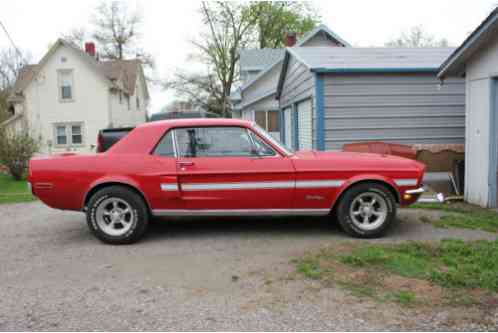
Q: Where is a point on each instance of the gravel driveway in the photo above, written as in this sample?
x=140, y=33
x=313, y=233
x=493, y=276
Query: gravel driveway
x=216, y=274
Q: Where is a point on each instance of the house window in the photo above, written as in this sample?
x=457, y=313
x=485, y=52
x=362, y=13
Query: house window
x=69, y=134
x=268, y=120
x=76, y=136
x=138, y=103
x=66, y=85
x=61, y=135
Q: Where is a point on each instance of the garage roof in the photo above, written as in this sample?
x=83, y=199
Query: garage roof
x=376, y=59
x=455, y=64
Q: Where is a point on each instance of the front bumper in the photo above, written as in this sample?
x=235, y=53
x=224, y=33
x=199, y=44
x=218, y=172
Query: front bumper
x=413, y=195
x=410, y=196
x=418, y=191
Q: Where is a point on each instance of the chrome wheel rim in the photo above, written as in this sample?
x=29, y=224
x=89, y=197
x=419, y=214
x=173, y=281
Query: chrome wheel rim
x=114, y=216
x=368, y=211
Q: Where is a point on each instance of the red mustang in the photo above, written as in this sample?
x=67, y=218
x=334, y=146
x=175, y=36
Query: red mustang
x=221, y=167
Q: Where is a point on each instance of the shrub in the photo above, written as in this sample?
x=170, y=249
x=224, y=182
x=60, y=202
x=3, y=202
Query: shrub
x=16, y=148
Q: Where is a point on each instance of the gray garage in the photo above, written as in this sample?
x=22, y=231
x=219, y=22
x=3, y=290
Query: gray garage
x=369, y=94
x=477, y=60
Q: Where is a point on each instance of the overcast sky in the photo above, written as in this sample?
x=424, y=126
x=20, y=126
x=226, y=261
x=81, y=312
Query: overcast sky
x=170, y=25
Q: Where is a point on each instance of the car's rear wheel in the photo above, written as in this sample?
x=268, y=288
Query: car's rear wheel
x=117, y=215
x=366, y=210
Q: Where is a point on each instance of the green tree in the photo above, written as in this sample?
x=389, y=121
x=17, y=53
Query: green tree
x=417, y=37
x=230, y=27
x=274, y=18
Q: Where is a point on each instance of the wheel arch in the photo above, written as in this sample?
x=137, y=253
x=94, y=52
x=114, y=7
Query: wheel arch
x=94, y=188
x=376, y=180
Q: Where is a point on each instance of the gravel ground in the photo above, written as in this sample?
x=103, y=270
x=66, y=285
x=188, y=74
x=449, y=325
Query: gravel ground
x=216, y=274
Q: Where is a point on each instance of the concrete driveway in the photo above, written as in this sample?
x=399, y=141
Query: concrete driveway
x=216, y=274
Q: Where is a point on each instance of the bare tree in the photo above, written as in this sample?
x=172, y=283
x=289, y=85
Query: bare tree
x=417, y=37
x=11, y=63
x=202, y=90
x=117, y=32
x=76, y=36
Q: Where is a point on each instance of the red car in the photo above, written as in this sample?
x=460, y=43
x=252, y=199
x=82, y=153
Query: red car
x=222, y=167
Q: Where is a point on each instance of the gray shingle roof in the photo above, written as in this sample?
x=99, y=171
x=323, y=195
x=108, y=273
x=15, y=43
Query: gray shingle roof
x=363, y=59
x=322, y=27
x=258, y=59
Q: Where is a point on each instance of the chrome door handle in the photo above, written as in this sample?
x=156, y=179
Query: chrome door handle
x=185, y=163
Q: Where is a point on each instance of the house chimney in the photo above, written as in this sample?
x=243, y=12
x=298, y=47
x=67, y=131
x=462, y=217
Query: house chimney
x=90, y=49
x=290, y=39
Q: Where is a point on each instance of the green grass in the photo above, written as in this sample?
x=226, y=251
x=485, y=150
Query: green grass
x=462, y=216
x=455, y=271
x=450, y=264
x=12, y=191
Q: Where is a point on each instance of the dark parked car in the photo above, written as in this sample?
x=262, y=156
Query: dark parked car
x=108, y=137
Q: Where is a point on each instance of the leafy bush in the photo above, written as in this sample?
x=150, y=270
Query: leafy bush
x=16, y=148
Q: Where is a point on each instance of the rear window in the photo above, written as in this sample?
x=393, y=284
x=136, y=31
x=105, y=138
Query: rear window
x=165, y=147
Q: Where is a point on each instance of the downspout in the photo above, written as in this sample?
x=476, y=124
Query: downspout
x=319, y=112
x=492, y=165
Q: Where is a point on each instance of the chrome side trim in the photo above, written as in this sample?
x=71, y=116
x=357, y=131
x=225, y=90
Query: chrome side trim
x=319, y=183
x=239, y=212
x=406, y=182
x=169, y=187
x=263, y=185
x=237, y=186
x=419, y=190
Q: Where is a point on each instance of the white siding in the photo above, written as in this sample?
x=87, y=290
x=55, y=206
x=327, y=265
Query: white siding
x=304, y=116
x=89, y=106
x=121, y=115
x=477, y=160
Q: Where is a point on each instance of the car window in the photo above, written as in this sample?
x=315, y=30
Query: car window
x=261, y=148
x=165, y=147
x=213, y=141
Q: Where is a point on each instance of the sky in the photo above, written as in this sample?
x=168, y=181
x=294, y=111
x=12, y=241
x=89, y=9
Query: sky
x=169, y=26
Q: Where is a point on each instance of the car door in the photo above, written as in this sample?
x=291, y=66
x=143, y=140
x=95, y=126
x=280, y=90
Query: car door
x=230, y=169
x=163, y=190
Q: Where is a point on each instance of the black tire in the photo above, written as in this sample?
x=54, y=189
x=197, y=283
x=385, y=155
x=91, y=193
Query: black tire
x=138, y=216
x=344, y=211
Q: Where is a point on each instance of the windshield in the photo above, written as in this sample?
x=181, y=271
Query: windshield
x=272, y=139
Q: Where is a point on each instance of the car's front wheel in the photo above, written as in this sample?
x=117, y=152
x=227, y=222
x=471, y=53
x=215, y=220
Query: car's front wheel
x=366, y=210
x=117, y=215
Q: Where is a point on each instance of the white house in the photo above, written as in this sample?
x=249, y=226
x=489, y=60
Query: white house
x=69, y=96
x=477, y=60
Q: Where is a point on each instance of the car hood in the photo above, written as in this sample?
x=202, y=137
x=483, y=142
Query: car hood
x=355, y=160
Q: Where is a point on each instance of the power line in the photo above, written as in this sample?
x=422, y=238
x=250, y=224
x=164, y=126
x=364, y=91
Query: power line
x=13, y=44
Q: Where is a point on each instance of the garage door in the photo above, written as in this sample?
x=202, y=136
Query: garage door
x=288, y=127
x=396, y=108
x=304, y=118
